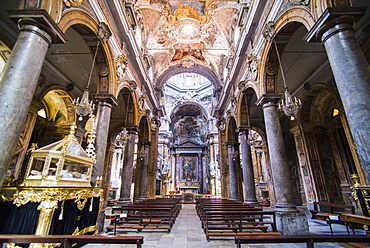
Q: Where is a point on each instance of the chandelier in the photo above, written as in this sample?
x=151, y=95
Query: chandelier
x=86, y=107
x=289, y=105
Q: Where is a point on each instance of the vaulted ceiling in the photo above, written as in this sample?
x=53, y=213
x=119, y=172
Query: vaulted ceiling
x=186, y=33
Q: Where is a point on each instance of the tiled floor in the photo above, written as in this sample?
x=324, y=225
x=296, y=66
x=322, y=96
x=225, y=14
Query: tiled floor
x=187, y=233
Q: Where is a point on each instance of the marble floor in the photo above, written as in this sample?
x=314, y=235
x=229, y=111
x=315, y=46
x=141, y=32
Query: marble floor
x=187, y=233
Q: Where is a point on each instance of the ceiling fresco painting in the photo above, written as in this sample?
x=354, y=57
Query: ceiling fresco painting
x=187, y=33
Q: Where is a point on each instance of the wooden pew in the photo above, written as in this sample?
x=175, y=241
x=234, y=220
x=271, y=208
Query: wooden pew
x=226, y=224
x=327, y=207
x=69, y=240
x=309, y=239
x=150, y=215
x=353, y=218
x=138, y=219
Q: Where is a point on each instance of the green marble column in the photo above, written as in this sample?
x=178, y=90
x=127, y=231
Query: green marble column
x=351, y=72
x=18, y=83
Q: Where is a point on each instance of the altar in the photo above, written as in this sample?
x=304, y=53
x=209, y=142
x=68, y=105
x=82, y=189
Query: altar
x=188, y=189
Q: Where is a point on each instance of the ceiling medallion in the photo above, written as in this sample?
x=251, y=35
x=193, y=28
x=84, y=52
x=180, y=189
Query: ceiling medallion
x=188, y=30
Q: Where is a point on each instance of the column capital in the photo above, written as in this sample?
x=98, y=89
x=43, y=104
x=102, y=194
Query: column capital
x=41, y=19
x=132, y=129
x=331, y=17
x=230, y=143
x=269, y=98
x=147, y=143
x=108, y=98
x=243, y=129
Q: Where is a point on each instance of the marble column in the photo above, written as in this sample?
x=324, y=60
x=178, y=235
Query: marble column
x=278, y=159
x=200, y=174
x=247, y=167
x=18, y=83
x=233, y=179
x=351, y=72
x=127, y=169
x=153, y=157
x=177, y=168
x=103, y=114
x=144, y=173
x=289, y=220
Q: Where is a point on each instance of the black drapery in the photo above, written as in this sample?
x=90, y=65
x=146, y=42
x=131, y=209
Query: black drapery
x=18, y=220
x=72, y=217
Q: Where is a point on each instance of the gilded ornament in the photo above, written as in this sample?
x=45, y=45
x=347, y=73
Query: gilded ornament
x=188, y=63
x=72, y=3
x=121, y=65
x=3, y=198
x=12, y=245
x=86, y=230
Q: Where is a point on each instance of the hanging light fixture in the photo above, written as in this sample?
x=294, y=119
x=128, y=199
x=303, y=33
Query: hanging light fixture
x=289, y=105
x=86, y=107
x=250, y=137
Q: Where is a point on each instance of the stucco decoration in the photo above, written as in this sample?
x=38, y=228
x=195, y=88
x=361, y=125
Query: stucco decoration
x=72, y=3
x=269, y=31
x=121, y=66
x=252, y=67
x=300, y=2
x=187, y=33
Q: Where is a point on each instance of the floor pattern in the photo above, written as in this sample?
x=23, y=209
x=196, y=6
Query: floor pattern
x=187, y=233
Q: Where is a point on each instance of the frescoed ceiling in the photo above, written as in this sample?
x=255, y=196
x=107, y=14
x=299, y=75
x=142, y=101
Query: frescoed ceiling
x=187, y=33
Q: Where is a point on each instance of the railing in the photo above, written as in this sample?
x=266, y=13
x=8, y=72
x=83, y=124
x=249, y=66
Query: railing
x=69, y=240
x=308, y=239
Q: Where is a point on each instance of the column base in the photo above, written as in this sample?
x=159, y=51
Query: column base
x=124, y=202
x=141, y=199
x=101, y=221
x=292, y=223
x=252, y=202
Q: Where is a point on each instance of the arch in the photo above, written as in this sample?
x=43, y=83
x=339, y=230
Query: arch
x=292, y=19
x=231, y=127
x=75, y=17
x=295, y=14
x=124, y=97
x=201, y=70
x=308, y=97
x=244, y=104
x=61, y=99
x=202, y=112
x=144, y=129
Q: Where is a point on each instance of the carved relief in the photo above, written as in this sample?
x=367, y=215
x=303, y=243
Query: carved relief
x=72, y=3
x=221, y=125
x=155, y=123
x=252, y=67
x=269, y=31
x=121, y=66
x=300, y=2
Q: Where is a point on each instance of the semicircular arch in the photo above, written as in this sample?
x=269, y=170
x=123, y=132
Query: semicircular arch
x=198, y=69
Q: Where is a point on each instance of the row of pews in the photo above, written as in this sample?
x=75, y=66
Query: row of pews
x=151, y=215
x=225, y=219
